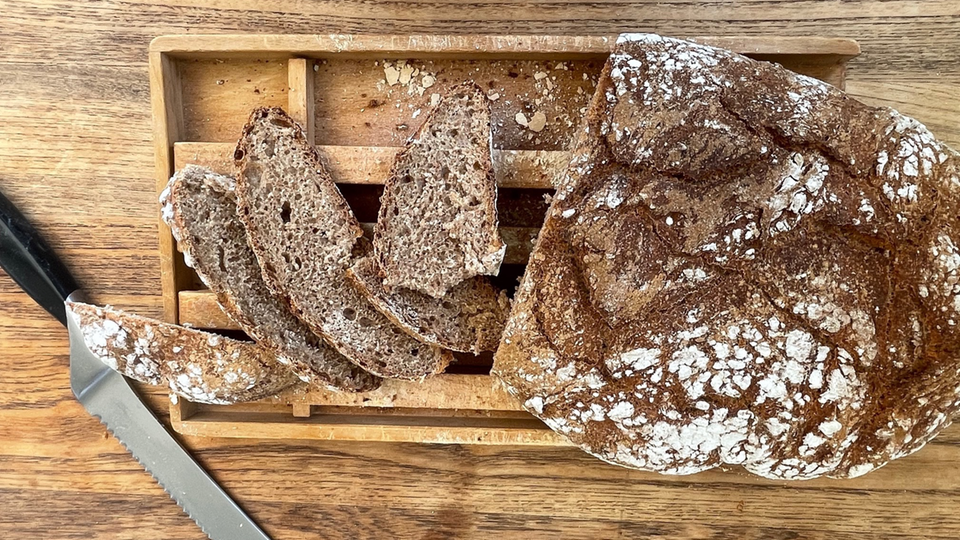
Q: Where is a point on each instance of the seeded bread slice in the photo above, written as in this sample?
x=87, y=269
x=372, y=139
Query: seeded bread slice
x=200, y=366
x=438, y=216
x=305, y=238
x=200, y=206
x=469, y=318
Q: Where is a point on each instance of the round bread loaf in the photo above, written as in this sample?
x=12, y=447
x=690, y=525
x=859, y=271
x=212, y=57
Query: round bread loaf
x=741, y=266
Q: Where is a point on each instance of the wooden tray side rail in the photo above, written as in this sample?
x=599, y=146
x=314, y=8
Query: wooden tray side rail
x=190, y=126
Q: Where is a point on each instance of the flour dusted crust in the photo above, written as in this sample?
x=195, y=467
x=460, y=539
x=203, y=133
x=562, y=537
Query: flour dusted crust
x=200, y=366
x=742, y=266
x=200, y=207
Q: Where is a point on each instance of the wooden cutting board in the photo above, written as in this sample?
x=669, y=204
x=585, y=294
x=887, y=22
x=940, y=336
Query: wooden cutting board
x=359, y=98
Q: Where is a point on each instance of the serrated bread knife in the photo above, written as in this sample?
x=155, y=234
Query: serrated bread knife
x=107, y=395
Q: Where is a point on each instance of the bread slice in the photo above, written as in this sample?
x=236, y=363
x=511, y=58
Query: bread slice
x=741, y=266
x=305, y=238
x=199, y=366
x=469, y=318
x=437, y=224
x=200, y=206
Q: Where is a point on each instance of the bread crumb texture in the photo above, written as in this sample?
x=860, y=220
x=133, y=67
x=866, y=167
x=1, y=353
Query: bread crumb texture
x=305, y=237
x=741, y=266
x=200, y=366
x=437, y=223
x=200, y=207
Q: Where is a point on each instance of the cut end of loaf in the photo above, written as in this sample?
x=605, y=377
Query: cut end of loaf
x=199, y=366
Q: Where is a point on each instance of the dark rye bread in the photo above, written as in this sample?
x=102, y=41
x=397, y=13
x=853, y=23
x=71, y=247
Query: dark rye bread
x=200, y=366
x=305, y=238
x=742, y=266
x=200, y=206
x=437, y=224
x=469, y=318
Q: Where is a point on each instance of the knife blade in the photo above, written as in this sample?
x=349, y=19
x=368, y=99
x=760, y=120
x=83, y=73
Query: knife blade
x=108, y=396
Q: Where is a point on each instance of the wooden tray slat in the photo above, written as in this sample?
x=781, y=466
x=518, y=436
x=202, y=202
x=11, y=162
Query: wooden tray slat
x=445, y=391
x=300, y=96
x=373, y=428
x=534, y=169
x=203, y=88
x=471, y=46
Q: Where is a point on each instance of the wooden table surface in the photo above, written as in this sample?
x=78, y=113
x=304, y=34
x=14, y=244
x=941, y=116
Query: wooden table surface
x=76, y=155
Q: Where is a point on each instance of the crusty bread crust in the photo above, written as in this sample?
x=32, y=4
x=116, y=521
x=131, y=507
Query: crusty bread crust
x=199, y=366
x=200, y=207
x=741, y=266
x=305, y=238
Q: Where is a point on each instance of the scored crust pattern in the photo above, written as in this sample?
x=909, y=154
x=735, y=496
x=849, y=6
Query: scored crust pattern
x=741, y=266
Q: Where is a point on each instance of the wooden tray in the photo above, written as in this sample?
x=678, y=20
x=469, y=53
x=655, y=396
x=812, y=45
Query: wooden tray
x=204, y=87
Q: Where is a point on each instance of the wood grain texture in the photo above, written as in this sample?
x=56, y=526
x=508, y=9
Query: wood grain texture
x=370, y=165
x=76, y=154
x=401, y=46
x=300, y=103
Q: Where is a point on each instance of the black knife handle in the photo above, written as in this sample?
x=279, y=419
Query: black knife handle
x=31, y=263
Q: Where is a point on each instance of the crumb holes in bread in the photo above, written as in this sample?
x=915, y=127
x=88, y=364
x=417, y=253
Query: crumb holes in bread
x=268, y=269
x=269, y=147
x=280, y=122
x=350, y=314
x=285, y=212
x=365, y=322
x=220, y=259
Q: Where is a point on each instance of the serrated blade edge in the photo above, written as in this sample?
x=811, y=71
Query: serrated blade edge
x=108, y=396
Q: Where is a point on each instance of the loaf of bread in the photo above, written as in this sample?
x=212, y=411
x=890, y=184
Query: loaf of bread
x=305, y=237
x=742, y=266
x=200, y=206
x=200, y=366
x=437, y=224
